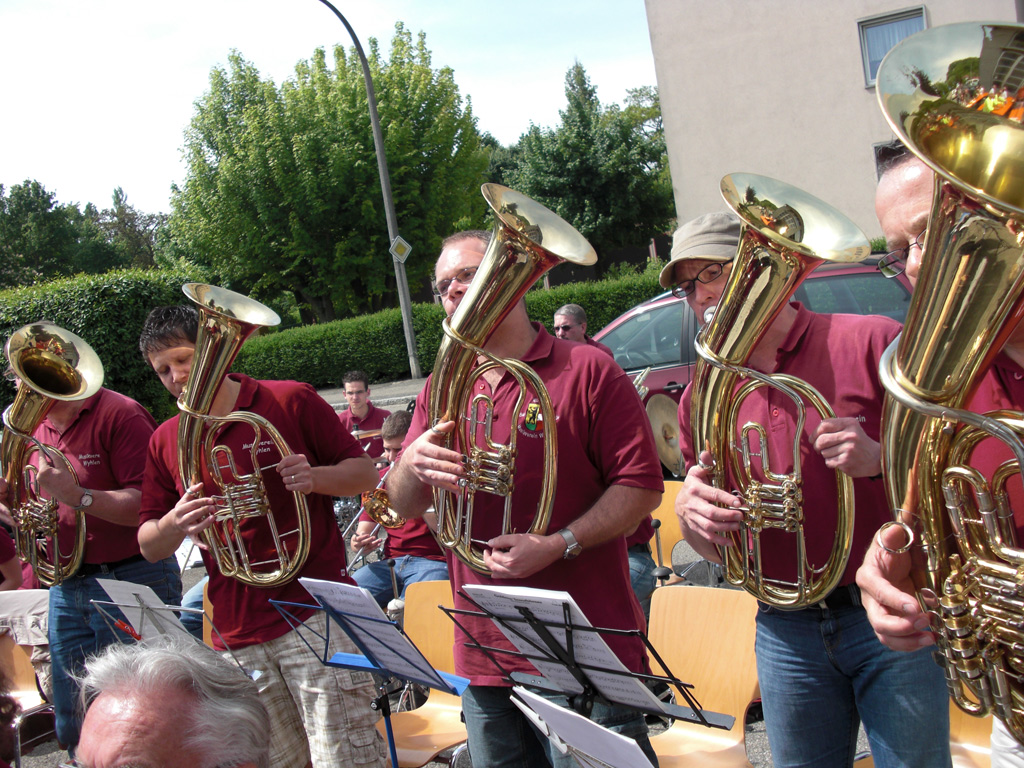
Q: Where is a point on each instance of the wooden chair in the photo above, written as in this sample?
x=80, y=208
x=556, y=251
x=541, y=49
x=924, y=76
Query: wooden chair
x=423, y=733
x=669, y=532
x=16, y=664
x=706, y=637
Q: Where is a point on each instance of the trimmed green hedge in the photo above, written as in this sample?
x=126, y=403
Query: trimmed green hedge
x=108, y=312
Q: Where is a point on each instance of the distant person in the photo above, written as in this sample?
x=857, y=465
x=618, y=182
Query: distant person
x=170, y=703
x=415, y=551
x=362, y=415
x=571, y=324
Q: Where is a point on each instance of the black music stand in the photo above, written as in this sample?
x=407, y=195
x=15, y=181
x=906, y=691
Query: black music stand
x=385, y=649
x=549, y=630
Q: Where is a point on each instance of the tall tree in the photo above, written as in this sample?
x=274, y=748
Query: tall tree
x=282, y=191
x=602, y=169
x=36, y=235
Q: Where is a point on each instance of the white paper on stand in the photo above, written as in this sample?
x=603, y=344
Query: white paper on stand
x=143, y=609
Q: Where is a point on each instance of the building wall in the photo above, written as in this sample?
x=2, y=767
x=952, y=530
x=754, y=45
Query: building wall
x=777, y=88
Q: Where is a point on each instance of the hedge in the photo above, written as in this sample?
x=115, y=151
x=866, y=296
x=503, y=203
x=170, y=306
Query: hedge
x=108, y=312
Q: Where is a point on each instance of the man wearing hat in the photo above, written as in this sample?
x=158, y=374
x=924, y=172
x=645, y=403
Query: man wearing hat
x=821, y=669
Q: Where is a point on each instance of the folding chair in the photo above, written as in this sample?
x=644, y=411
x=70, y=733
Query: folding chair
x=970, y=739
x=423, y=733
x=706, y=637
x=16, y=664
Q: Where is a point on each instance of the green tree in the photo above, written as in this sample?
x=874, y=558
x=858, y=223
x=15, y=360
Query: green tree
x=282, y=191
x=602, y=169
x=36, y=235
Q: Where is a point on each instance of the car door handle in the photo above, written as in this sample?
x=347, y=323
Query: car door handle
x=673, y=387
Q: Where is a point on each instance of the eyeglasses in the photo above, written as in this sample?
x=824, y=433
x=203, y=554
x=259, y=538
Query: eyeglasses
x=465, y=277
x=895, y=262
x=709, y=274
x=564, y=328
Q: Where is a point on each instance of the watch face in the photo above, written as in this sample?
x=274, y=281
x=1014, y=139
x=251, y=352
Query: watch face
x=86, y=500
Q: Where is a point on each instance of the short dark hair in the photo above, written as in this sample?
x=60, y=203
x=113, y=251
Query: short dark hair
x=351, y=377
x=167, y=326
x=395, y=425
x=891, y=155
x=470, y=234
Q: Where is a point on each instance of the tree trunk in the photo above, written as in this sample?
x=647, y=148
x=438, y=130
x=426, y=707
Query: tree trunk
x=321, y=306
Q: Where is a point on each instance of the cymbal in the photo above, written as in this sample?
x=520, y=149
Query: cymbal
x=662, y=411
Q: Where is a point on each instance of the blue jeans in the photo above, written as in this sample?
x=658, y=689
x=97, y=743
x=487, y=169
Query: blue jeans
x=376, y=577
x=641, y=575
x=193, y=622
x=822, y=671
x=500, y=736
x=77, y=629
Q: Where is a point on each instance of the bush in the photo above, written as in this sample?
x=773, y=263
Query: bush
x=107, y=311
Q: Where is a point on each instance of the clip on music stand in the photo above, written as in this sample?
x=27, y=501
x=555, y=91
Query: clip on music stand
x=549, y=630
x=582, y=739
x=385, y=649
x=146, y=615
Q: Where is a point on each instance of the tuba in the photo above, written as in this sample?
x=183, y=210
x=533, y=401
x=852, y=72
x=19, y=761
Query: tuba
x=785, y=233
x=963, y=120
x=226, y=320
x=528, y=240
x=51, y=364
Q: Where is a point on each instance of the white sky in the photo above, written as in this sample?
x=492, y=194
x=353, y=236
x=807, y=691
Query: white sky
x=97, y=93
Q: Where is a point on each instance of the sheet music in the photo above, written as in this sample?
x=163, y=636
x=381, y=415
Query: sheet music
x=373, y=631
x=590, y=648
x=583, y=736
x=143, y=609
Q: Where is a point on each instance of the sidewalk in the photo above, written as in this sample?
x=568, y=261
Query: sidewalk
x=392, y=396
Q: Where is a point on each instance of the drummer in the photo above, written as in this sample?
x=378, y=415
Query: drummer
x=363, y=419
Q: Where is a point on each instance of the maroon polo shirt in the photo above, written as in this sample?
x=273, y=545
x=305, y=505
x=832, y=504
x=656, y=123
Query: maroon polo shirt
x=106, y=446
x=374, y=419
x=242, y=614
x=7, y=550
x=604, y=439
x=837, y=355
x=1002, y=388
x=589, y=341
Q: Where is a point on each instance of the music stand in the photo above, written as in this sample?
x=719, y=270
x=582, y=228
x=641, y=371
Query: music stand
x=549, y=630
x=385, y=649
x=147, y=616
x=573, y=734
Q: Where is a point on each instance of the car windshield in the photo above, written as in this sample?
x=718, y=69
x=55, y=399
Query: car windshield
x=649, y=338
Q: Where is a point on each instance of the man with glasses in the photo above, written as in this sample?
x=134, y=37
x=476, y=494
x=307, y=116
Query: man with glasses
x=571, y=324
x=902, y=203
x=362, y=415
x=609, y=479
x=821, y=669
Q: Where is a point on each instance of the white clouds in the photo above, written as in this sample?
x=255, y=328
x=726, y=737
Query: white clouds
x=98, y=94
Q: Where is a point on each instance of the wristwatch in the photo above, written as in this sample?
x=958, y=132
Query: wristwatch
x=572, y=547
x=86, y=501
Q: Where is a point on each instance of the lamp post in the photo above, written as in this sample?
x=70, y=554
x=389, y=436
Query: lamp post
x=399, y=248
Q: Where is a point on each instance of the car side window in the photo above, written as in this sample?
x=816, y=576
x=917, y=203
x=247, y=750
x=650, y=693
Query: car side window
x=649, y=338
x=859, y=294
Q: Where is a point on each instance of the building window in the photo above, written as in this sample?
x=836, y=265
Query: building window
x=880, y=33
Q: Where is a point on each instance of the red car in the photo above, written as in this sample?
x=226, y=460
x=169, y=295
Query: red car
x=659, y=333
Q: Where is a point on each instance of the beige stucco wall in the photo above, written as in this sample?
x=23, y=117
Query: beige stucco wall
x=777, y=88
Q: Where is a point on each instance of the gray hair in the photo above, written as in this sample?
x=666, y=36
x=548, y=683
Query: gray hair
x=574, y=312
x=228, y=724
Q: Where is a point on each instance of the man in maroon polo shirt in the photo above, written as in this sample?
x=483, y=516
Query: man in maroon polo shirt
x=570, y=323
x=902, y=203
x=609, y=480
x=104, y=438
x=820, y=669
x=362, y=415
x=318, y=713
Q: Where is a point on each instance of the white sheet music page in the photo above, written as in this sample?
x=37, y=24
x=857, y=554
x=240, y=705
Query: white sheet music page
x=147, y=614
x=589, y=647
x=374, y=631
x=582, y=735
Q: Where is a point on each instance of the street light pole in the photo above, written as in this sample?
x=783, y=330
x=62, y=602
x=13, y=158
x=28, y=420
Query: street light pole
x=389, y=206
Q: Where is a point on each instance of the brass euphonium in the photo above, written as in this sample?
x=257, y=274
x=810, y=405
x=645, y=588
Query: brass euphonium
x=785, y=233
x=51, y=364
x=375, y=503
x=942, y=92
x=528, y=240
x=226, y=320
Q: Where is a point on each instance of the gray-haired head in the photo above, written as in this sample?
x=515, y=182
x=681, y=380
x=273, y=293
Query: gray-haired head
x=574, y=312
x=228, y=725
